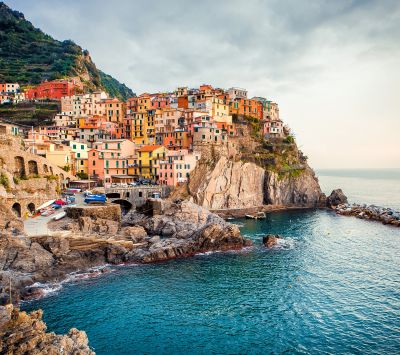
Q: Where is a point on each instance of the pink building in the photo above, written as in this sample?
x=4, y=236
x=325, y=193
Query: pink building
x=176, y=168
x=109, y=159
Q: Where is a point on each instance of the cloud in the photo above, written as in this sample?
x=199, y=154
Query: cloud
x=310, y=56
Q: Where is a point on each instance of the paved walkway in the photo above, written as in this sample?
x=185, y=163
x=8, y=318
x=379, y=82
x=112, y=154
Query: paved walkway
x=38, y=225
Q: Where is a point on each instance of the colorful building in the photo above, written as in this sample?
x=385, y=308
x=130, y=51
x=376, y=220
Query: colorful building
x=148, y=158
x=55, y=89
x=176, y=168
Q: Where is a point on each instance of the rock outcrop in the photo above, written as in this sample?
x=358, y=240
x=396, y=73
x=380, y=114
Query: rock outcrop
x=337, y=197
x=86, y=241
x=369, y=212
x=302, y=190
x=228, y=182
x=23, y=333
x=271, y=239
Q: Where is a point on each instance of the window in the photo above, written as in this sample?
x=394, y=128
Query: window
x=74, y=146
x=94, y=154
x=78, y=155
x=94, y=163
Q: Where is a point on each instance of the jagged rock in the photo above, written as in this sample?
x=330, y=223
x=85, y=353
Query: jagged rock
x=271, y=239
x=23, y=333
x=230, y=183
x=337, y=197
x=302, y=191
x=101, y=226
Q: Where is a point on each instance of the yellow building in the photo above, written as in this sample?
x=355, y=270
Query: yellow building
x=218, y=110
x=79, y=157
x=62, y=157
x=148, y=158
x=139, y=128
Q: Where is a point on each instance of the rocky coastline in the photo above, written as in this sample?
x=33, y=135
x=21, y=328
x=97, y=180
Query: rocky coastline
x=384, y=215
x=25, y=333
x=95, y=236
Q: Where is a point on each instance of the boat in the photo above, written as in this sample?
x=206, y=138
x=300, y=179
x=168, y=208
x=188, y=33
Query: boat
x=60, y=215
x=46, y=204
x=47, y=212
x=258, y=215
x=95, y=199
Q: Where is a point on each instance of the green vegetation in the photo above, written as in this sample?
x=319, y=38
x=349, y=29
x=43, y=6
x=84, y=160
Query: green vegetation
x=114, y=87
x=29, y=56
x=29, y=113
x=289, y=139
x=82, y=176
x=16, y=180
x=4, y=181
x=51, y=177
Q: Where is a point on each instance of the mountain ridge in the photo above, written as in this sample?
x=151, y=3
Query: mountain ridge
x=29, y=56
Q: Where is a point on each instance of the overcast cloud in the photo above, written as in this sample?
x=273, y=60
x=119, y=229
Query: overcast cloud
x=333, y=66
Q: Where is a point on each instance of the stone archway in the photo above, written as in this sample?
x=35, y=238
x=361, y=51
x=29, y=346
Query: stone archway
x=16, y=208
x=113, y=195
x=31, y=207
x=19, y=170
x=45, y=168
x=32, y=167
x=125, y=205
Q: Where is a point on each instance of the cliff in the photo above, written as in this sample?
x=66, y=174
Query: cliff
x=250, y=172
x=23, y=333
x=29, y=56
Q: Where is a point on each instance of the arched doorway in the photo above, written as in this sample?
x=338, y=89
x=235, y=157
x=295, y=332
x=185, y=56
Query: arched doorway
x=31, y=208
x=32, y=167
x=125, y=206
x=16, y=208
x=19, y=170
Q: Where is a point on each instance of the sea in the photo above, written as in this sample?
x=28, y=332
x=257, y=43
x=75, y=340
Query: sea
x=331, y=286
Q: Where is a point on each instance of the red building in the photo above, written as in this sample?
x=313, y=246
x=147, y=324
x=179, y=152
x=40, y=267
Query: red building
x=55, y=89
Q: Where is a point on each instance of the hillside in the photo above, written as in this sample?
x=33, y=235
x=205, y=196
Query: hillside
x=29, y=56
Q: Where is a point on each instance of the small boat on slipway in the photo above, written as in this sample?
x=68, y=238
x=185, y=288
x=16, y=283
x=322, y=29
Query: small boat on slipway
x=258, y=215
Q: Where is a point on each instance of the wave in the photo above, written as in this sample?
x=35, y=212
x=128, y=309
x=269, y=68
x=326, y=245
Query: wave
x=42, y=290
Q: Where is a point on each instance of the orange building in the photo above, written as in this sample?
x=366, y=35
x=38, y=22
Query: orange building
x=55, y=89
x=114, y=109
x=246, y=107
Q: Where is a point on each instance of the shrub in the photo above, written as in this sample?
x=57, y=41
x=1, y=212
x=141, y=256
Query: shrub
x=82, y=175
x=4, y=181
x=289, y=139
x=16, y=180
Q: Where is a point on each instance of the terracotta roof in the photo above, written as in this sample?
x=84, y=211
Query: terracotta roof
x=149, y=148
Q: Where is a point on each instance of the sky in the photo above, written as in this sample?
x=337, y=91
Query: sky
x=332, y=66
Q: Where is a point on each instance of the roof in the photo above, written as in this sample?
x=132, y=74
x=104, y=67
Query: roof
x=149, y=148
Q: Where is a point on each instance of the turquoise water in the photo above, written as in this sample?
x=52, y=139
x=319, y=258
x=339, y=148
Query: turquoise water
x=333, y=286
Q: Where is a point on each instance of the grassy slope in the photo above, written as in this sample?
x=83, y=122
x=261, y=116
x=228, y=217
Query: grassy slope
x=29, y=56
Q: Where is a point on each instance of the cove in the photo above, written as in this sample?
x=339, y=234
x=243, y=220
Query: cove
x=332, y=286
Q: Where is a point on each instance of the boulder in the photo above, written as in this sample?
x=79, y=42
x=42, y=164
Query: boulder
x=337, y=197
x=270, y=240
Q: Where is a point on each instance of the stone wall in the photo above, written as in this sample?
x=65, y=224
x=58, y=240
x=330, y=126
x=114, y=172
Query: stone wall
x=109, y=211
x=136, y=195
